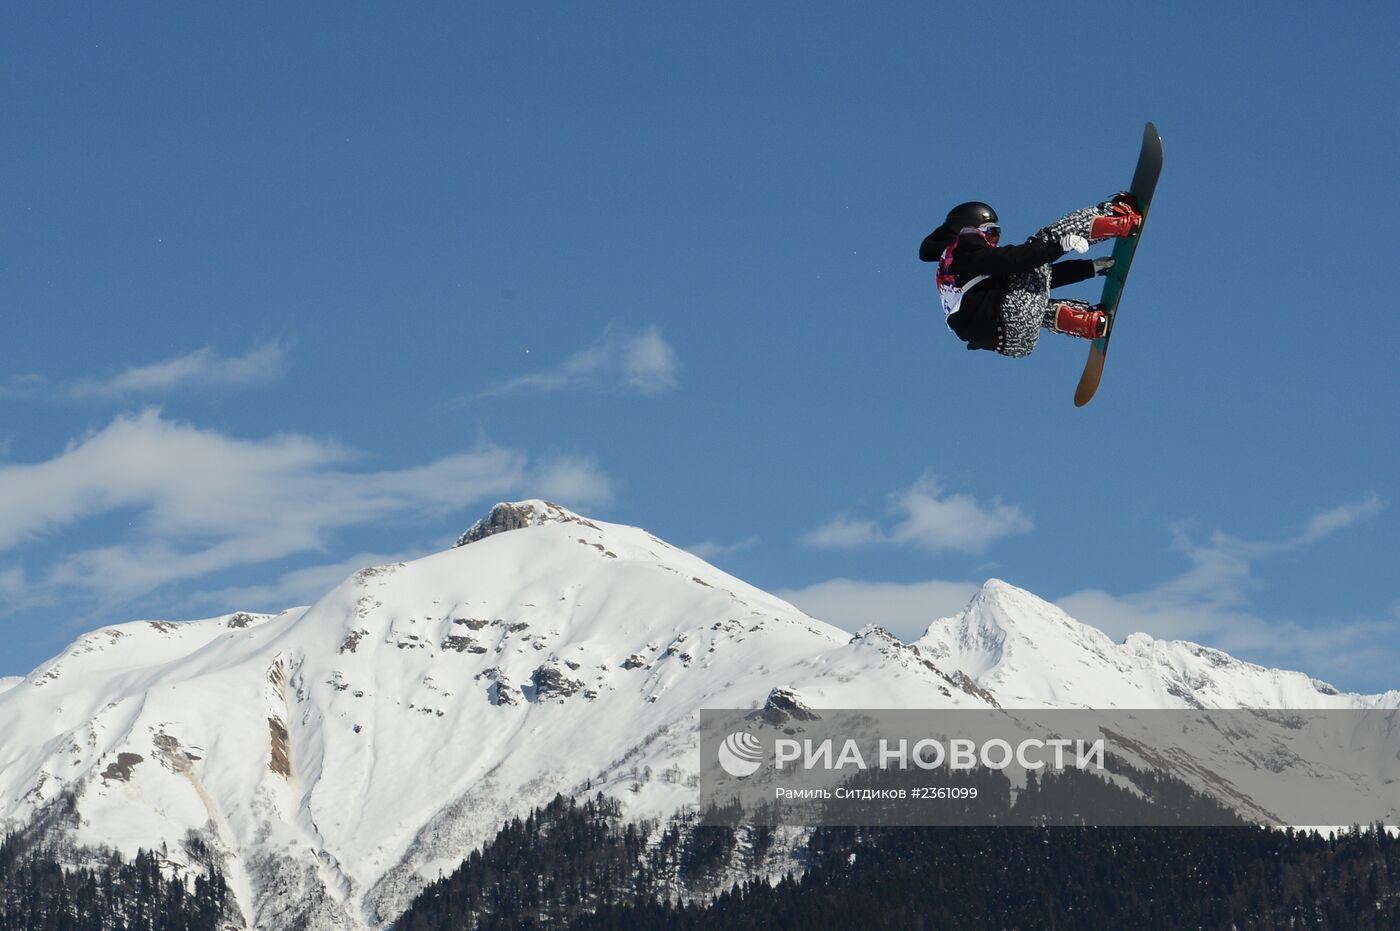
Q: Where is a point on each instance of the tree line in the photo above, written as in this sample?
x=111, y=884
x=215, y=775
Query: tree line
x=579, y=866
x=107, y=893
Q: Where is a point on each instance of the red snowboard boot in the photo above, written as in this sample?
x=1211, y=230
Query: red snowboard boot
x=1124, y=221
x=1080, y=320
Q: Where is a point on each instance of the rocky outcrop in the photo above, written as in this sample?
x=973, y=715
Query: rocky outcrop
x=499, y=690
x=462, y=644
x=551, y=683
x=121, y=769
x=280, y=756
x=517, y=515
x=784, y=705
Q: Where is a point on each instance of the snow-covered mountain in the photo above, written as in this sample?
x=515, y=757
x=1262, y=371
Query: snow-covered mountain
x=340, y=755
x=1030, y=654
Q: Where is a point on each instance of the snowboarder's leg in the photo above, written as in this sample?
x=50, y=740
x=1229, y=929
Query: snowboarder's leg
x=1076, y=318
x=1022, y=311
x=1028, y=308
x=1112, y=218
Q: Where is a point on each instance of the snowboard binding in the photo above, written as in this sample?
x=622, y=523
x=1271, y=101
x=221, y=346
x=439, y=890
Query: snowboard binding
x=1078, y=319
x=1123, y=222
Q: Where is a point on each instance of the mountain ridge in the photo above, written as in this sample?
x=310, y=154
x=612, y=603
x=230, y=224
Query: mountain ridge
x=339, y=755
x=991, y=639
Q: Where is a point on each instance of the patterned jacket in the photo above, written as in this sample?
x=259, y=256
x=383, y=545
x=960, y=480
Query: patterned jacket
x=974, y=276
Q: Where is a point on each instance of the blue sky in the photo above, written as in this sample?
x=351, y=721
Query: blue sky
x=289, y=290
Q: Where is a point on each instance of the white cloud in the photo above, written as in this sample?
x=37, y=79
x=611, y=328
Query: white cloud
x=572, y=479
x=1329, y=522
x=929, y=519
x=23, y=385
x=842, y=532
x=205, y=502
x=1342, y=649
x=298, y=587
x=12, y=582
x=642, y=362
x=200, y=369
x=651, y=366
x=1209, y=603
x=904, y=609
x=710, y=551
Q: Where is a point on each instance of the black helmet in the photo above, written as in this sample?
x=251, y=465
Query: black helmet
x=972, y=213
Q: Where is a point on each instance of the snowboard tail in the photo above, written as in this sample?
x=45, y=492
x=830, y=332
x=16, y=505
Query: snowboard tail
x=1149, y=168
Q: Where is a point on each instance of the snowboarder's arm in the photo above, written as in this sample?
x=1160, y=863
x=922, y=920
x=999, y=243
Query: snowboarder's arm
x=932, y=247
x=1005, y=260
x=1075, y=270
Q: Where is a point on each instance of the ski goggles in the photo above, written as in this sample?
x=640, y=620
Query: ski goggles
x=992, y=231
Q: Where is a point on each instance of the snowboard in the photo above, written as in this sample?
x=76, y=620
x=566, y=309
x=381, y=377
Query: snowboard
x=1149, y=167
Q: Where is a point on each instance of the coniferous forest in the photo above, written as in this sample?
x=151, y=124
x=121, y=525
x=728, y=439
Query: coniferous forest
x=110, y=894
x=572, y=865
x=580, y=866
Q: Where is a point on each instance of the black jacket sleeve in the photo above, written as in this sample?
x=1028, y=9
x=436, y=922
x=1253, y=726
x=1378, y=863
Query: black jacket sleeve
x=1005, y=260
x=1071, y=272
x=931, y=249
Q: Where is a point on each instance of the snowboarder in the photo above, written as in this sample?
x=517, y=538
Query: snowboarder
x=998, y=298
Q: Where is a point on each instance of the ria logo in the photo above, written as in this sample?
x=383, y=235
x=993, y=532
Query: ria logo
x=740, y=754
